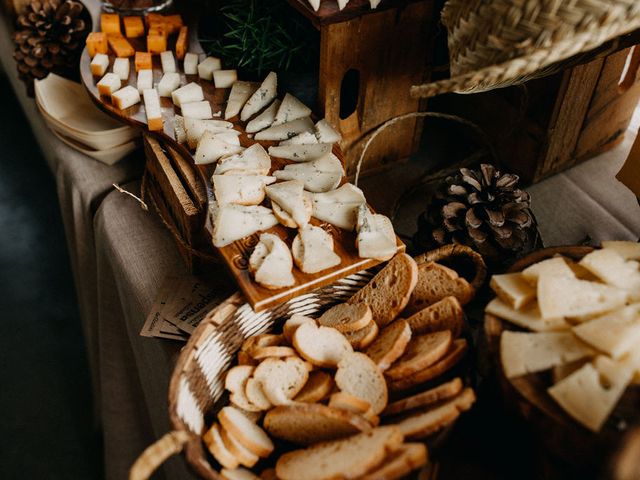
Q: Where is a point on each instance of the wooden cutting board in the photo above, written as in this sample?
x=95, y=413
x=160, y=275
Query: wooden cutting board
x=235, y=255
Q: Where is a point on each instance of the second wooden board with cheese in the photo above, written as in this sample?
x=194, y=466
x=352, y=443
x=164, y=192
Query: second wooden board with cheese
x=281, y=212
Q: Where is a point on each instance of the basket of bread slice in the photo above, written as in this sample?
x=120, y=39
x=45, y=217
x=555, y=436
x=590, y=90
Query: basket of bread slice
x=564, y=328
x=353, y=387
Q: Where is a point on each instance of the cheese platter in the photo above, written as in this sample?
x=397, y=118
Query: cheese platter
x=278, y=196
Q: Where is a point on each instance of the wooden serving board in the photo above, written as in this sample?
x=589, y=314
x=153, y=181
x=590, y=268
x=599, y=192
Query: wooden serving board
x=237, y=254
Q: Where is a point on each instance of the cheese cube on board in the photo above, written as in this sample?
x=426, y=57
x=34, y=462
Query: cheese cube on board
x=191, y=64
x=191, y=92
x=208, y=66
x=120, y=45
x=168, y=83
x=97, y=43
x=182, y=42
x=224, y=78
x=99, y=64
x=143, y=61
x=110, y=23
x=197, y=110
x=133, y=27
x=145, y=80
x=109, y=84
x=126, y=97
x=156, y=43
x=167, y=61
x=152, y=107
x=121, y=68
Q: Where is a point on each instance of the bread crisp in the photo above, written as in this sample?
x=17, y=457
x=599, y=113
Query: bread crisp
x=255, y=394
x=237, y=474
x=236, y=382
x=260, y=353
x=261, y=340
x=423, y=399
x=389, y=344
x=322, y=346
x=220, y=452
x=346, y=401
x=243, y=455
x=291, y=325
x=388, y=293
x=422, y=352
x=364, y=337
x=445, y=314
x=436, y=282
x=281, y=379
x=317, y=388
x=398, y=464
x=359, y=376
x=245, y=431
x=347, y=317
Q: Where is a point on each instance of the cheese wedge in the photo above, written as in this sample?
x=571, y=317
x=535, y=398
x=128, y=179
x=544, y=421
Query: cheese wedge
x=168, y=83
x=305, y=138
x=528, y=317
x=253, y=161
x=513, y=289
x=320, y=175
x=569, y=297
x=339, y=207
x=591, y=393
x=145, y=80
x=553, y=266
x=522, y=353
x=342, y=4
x=271, y=262
x=121, y=68
x=290, y=196
x=191, y=92
x=315, y=4
x=207, y=67
x=628, y=250
x=262, y=97
x=301, y=153
x=313, y=250
x=240, y=189
x=374, y=3
x=285, y=218
x=195, y=128
x=265, y=119
x=376, y=238
x=286, y=130
x=291, y=109
x=615, y=333
x=224, y=78
x=233, y=222
x=168, y=61
x=240, y=93
x=190, y=64
x=325, y=133
x=153, y=109
x=210, y=149
x=612, y=268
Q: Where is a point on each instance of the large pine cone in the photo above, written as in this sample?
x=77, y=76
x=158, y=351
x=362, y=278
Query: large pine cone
x=49, y=37
x=482, y=209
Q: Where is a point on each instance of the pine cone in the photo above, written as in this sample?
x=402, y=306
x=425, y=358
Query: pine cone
x=482, y=209
x=49, y=37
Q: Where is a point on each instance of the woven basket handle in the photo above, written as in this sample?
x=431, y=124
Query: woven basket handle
x=157, y=453
x=457, y=250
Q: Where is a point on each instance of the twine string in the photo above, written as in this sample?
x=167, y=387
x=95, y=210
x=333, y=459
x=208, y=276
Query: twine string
x=142, y=203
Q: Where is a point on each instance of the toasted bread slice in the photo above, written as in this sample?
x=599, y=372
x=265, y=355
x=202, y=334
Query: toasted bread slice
x=243, y=455
x=255, y=394
x=347, y=458
x=292, y=324
x=347, y=317
x=390, y=344
x=260, y=353
x=423, y=399
x=364, y=337
x=268, y=474
x=261, y=340
x=359, y=376
x=436, y=282
x=388, y=293
x=237, y=474
x=307, y=424
x=317, y=388
x=346, y=401
x=322, y=346
x=422, y=352
x=455, y=354
x=281, y=379
x=398, y=464
x=236, y=382
x=445, y=314
x=245, y=431
x=216, y=446
x=245, y=359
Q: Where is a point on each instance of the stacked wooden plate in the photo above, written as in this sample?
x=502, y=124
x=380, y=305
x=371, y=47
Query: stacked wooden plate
x=74, y=119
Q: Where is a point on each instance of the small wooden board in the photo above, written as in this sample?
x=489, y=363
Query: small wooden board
x=237, y=254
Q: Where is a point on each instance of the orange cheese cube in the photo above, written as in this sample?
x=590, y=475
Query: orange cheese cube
x=174, y=23
x=182, y=43
x=120, y=46
x=159, y=29
x=155, y=124
x=110, y=23
x=156, y=43
x=143, y=61
x=97, y=43
x=152, y=18
x=133, y=27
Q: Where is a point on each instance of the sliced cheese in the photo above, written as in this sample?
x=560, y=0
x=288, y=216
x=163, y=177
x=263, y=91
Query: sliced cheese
x=290, y=197
x=195, y=128
x=339, y=207
x=233, y=222
x=271, y=262
x=591, y=393
x=286, y=130
x=262, y=97
x=291, y=109
x=305, y=138
x=198, y=110
x=240, y=189
x=191, y=92
x=315, y=4
x=342, y=4
x=611, y=267
x=554, y=266
x=527, y=317
x=240, y=93
x=628, y=250
x=615, y=333
x=522, y=352
x=265, y=119
x=325, y=133
x=313, y=250
x=320, y=175
x=376, y=238
x=513, y=289
x=285, y=218
x=254, y=160
x=301, y=153
x=211, y=148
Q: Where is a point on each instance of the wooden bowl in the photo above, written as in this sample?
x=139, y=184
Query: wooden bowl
x=569, y=446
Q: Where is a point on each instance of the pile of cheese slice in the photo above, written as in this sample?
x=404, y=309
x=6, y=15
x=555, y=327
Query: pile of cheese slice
x=341, y=4
x=585, y=319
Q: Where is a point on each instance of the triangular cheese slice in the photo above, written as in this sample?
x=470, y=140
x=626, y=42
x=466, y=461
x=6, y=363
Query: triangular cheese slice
x=301, y=153
x=271, y=262
x=325, y=133
x=315, y=4
x=339, y=207
x=585, y=397
x=254, y=160
x=321, y=175
x=615, y=333
x=240, y=93
x=342, y=4
x=556, y=266
x=570, y=297
x=210, y=149
x=195, y=128
x=612, y=268
x=376, y=238
x=374, y=3
x=262, y=97
x=265, y=119
x=286, y=130
x=628, y=250
x=528, y=317
x=513, y=289
x=522, y=352
x=313, y=250
x=290, y=197
x=291, y=109
x=240, y=189
x=233, y=222
x=305, y=138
